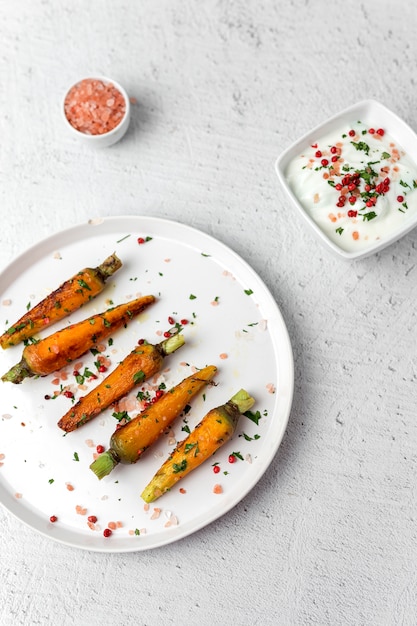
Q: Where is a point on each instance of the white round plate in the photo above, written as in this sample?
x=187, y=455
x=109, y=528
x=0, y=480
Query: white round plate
x=233, y=323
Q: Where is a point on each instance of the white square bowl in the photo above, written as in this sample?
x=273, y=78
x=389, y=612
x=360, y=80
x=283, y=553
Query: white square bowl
x=370, y=113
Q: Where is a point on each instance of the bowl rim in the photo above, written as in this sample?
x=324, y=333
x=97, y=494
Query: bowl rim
x=110, y=133
x=283, y=160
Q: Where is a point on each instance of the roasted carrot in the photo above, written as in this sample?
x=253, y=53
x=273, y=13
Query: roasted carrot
x=54, y=352
x=129, y=442
x=217, y=427
x=69, y=297
x=144, y=361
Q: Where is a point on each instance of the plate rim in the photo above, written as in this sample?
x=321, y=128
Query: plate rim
x=182, y=530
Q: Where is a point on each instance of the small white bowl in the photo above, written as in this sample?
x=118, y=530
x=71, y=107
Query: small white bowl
x=375, y=115
x=106, y=139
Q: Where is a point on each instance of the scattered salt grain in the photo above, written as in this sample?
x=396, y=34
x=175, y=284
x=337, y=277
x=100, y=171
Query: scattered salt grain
x=156, y=513
x=172, y=519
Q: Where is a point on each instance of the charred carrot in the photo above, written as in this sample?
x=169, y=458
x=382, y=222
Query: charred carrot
x=129, y=442
x=217, y=427
x=144, y=361
x=69, y=297
x=54, y=352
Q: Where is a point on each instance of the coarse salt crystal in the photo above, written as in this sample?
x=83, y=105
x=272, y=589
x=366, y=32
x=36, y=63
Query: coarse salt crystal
x=156, y=513
x=173, y=521
x=88, y=110
x=80, y=510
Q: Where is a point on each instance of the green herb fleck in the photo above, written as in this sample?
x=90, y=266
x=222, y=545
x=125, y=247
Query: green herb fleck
x=121, y=415
x=361, y=145
x=254, y=417
x=123, y=238
x=179, y=467
x=83, y=284
x=367, y=217
x=139, y=377
x=191, y=446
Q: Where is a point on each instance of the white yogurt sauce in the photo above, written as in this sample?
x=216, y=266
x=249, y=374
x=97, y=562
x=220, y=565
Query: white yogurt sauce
x=357, y=184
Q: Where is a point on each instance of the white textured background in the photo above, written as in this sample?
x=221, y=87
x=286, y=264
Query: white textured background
x=329, y=534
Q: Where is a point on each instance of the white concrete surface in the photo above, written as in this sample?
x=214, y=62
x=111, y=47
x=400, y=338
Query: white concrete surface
x=328, y=536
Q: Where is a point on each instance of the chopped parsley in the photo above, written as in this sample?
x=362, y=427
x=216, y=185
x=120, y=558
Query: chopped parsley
x=179, y=467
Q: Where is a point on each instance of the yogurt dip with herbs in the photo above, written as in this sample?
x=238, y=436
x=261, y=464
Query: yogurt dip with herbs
x=357, y=184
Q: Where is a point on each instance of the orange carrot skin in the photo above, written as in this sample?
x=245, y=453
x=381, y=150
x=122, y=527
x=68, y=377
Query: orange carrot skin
x=57, y=350
x=69, y=297
x=215, y=429
x=142, y=363
x=131, y=440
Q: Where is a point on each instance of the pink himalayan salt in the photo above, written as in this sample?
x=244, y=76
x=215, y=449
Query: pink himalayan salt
x=94, y=107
